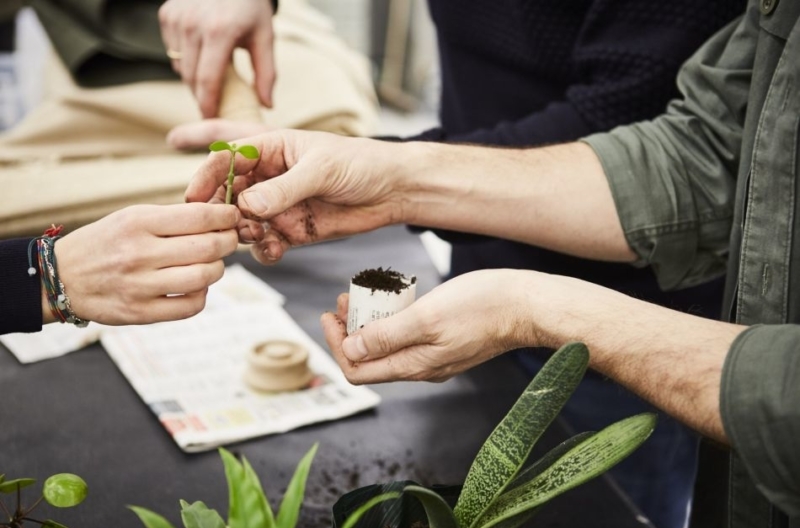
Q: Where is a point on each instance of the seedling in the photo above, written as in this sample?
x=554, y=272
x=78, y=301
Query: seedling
x=496, y=492
x=63, y=490
x=247, y=504
x=248, y=151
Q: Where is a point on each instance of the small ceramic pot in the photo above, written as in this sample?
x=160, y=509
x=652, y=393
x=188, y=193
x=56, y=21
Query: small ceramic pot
x=277, y=366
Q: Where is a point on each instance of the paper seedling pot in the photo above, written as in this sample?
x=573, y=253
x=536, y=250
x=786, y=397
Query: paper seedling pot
x=376, y=294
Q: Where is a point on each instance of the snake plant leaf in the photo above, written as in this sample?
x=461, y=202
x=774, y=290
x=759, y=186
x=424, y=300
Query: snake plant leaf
x=150, y=518
x=11, y=486
x=219, y=145
x=535, y=469
x=64, y=490
x=583, y=462
x=440, y=515
x=263, y=504
x=364, y=508
x=244, y=497
x=293, y=498
x=198, y=515
x=248, y=151
x=505, y=451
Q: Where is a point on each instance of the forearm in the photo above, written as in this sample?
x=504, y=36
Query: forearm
x=553, y=197
x=672, y=359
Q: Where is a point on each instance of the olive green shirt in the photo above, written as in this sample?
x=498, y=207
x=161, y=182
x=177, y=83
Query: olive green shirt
x=711, y=187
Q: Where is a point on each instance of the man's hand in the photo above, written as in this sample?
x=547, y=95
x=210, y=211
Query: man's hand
x=308, y=187
x=460, y=324
x=146, y=263
x=200, y=36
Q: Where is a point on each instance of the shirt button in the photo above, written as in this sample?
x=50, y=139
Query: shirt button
x=768, y=6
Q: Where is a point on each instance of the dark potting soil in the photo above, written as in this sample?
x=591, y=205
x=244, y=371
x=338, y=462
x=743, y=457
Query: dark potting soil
x=382, y=280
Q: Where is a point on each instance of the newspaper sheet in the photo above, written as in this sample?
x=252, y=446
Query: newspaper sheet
x=190, y=375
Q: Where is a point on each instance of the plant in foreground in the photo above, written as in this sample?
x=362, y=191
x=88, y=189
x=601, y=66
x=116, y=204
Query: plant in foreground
x=63, y=490
x=497, y=491
x=247, y=504
x=248, y=151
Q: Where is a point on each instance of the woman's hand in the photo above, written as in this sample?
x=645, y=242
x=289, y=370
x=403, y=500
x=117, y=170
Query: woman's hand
x=200, y=36
x=146, y=263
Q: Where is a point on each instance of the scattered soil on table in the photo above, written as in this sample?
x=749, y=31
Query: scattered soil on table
x=381, y=279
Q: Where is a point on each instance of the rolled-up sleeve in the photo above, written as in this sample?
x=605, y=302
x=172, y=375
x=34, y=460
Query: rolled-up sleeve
x=760, y=407
x=674, y=178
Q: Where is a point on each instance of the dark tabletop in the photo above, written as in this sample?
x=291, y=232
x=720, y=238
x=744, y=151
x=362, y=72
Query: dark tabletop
x=78, y=414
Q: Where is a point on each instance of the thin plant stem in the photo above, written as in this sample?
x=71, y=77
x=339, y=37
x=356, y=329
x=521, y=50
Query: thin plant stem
x=2, y=504
x=229, y=194
x=35, y=504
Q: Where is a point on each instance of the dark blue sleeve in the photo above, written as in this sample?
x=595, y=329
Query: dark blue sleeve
x=20, y=294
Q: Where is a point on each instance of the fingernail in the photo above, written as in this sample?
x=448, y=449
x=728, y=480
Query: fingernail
x=274, y=249
x=354, y=348
x=246, y=235
x=255, y=202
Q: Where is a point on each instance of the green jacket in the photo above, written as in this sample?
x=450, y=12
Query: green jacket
x=712, y=187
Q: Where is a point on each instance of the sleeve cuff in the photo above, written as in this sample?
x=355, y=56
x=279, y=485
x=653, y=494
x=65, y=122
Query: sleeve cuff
x=760, y=409
x=21, y=301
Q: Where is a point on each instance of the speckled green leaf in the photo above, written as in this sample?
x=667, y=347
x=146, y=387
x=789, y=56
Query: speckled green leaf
x=364, y=508
x=248, y=151
x=11, y=486
x=198, y=515
x=590, y=458
x=293, y=498
x=219, y=145
x=509, y=445
x=439, y=513
x=536, y=469
x=244, y=497
x=150, y=518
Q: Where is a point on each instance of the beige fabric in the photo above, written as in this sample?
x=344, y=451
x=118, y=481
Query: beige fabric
x=83, y=153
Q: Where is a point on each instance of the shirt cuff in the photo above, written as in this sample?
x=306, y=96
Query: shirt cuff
x=20, y=294
x=760, y=409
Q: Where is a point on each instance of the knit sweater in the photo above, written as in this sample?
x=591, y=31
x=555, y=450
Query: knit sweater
x=524, y=73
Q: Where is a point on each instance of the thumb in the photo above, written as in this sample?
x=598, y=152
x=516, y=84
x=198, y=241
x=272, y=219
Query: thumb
x=274, y=196
x=384, y=337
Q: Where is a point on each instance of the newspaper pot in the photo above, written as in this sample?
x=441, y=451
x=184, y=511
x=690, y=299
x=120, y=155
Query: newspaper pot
x=376, y=294
x=406, y=512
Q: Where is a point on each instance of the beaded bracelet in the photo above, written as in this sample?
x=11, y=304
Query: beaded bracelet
x=56, y=294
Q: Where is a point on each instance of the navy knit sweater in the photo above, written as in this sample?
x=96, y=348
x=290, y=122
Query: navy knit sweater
x=523, y=72
x=20, y=294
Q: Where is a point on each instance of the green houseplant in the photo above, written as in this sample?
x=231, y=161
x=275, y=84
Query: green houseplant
x=497, y=490
x=63, y=490
x=248, y=506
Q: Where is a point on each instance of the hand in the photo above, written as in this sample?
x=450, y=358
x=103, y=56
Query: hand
x=205, y=33
x=309, y=186
x=458, y=325
x=146, y=263
x=199, y=135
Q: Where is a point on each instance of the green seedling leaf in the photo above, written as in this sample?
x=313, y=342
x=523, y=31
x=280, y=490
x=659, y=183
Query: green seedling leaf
x=264, y=510
x=364, y=508
x=505, y=451
x=150, y=518
x=2, y=478
x=293, y=498
x=439, y=513
x=248, y=151
x=11, y=486
x=219, y=145
x=588, y=459
x=50, y=523
x=64, y=490
x=198, y=515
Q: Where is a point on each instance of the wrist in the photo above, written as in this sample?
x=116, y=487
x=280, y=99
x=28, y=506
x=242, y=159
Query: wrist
x=421, y=180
